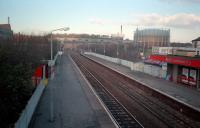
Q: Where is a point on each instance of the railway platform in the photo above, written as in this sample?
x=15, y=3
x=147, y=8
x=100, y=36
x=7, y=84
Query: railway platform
x=185, y=95
x=74, y=103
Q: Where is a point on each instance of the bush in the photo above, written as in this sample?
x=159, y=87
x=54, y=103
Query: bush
x=19, y=57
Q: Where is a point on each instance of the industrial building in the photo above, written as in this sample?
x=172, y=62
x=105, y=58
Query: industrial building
x=5, y=30
x=152, y=37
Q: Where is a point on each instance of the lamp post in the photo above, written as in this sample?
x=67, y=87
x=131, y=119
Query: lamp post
x=51, y=64
x=88, y=47
x=143, y=48
x=104, y=49
x=95, y=49
x=60, y=29
x=117, y=50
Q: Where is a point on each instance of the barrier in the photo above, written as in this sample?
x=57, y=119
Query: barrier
x=141, y=67
x=27, y=113
x=25, y=117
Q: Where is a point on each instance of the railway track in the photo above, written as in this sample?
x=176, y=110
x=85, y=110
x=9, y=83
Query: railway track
x=159, y=111
x=122, y=116
x=162, y=112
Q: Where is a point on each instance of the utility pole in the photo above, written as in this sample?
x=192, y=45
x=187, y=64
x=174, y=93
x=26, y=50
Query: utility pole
x=143, y=48
x=95, y=50
x=104, y=49
x=88, y=46
x=117, y=50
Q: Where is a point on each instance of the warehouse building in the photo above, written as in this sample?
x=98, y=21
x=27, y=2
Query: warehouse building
x=5, y=30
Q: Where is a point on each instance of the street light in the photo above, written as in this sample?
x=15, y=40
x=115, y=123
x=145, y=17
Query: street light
x=60, y=29
x=117, y=49
x=88, y=46
x=51, y=89
x=104, y=49
x=95, y=49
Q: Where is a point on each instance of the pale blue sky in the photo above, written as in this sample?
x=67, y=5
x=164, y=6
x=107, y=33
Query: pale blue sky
x=104, y=16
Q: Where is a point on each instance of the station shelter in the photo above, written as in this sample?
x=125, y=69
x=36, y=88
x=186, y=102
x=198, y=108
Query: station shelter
x=181, y=69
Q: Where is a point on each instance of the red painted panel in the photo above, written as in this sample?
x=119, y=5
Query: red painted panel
x=158, y=57
x=190, y=62
x=38, y=71
x=183, y=61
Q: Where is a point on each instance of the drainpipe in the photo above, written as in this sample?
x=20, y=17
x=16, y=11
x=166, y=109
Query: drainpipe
x=198, y=79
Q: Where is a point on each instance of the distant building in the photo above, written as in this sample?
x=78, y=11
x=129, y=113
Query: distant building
x=117, y=37
x=196, y=43
x=177, y=44
x=5, y=30
x=152, y=37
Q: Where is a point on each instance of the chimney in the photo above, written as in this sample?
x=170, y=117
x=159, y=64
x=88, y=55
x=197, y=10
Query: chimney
x=8, y=20
x=121, y=29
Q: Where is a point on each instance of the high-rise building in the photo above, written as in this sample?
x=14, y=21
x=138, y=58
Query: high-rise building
x=152, y=37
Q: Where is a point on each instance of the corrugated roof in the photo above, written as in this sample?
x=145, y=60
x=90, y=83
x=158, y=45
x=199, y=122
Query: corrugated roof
x=197, y=39
x=5, y=27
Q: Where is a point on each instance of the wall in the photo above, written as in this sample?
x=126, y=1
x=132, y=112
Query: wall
x=25, y=117
x=27, y=113
x=139, y=66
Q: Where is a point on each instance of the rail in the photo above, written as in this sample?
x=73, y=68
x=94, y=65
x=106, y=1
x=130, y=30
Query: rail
x=170, y=99
x=176, y=105
x=121, y=115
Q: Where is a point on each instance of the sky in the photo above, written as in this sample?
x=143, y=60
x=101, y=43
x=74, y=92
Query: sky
x=182, y=17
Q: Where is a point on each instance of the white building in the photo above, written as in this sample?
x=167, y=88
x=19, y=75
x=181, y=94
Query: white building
x=196, y=43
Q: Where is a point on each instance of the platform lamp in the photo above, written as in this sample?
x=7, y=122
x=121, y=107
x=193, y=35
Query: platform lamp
x=51, y=62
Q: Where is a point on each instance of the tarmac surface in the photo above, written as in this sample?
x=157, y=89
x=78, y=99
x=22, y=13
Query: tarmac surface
x=187, y=95
x=75, y=105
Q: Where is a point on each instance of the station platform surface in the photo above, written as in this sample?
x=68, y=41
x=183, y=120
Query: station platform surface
x=75, y=105
x=186, y=95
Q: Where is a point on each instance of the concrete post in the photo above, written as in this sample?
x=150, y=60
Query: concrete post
x=198, y=78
